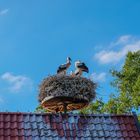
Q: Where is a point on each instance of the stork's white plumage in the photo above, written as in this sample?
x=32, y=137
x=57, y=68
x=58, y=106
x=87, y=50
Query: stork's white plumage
x=63, y=68
x=80, y=68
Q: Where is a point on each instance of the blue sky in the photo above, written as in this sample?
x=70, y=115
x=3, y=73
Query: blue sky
x=37, y=36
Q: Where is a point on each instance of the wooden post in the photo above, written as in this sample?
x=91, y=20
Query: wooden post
x=65, y=107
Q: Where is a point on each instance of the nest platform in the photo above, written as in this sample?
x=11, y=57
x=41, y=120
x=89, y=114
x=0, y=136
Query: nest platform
x=66, y=93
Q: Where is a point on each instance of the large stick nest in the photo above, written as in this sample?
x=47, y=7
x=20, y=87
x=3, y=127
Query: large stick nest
x=58, y=89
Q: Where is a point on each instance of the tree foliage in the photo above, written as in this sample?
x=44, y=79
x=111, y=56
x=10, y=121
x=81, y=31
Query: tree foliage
x=40, y=109
x=96, y=107
x=127, y=83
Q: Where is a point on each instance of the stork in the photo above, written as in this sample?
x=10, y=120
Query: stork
x=80, y=68
x=63, y=68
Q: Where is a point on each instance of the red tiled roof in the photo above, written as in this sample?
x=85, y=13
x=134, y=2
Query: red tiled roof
x=32, y=126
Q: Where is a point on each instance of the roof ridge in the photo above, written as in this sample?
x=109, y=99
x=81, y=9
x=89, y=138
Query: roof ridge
x=68, y=114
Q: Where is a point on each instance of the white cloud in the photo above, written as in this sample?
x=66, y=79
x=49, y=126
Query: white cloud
x=122, y=40
x=105, y=57
x=127, y=43
x=101, y=77
x=4, y=11
x=16, y=82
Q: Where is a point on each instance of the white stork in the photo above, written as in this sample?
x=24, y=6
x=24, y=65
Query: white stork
x=80, y=68
x=63, y=68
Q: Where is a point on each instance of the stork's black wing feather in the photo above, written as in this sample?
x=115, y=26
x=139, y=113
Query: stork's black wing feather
x=83, y=67
x=61, y=68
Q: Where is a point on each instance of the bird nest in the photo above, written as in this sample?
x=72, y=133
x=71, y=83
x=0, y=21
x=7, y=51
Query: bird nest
x=60, y=92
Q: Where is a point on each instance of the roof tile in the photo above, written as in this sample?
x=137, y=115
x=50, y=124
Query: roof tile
x=68, y=133
x=121, y=120
x=7, y=125
x=14, y=132
x=136, y=134
x=7, y=118
x=47, y=119
x=26, y=118
x=94, y=133
x=21, y=138
x=98, y=127
x=34, y=132
x=125, y=133
x=73, y=133
x=134, y=139
x=67, y=126
x=13, y=125
x=113, y=134
x=116, y=127
x=86, y=133
x=40, y=125
x=39, y=118
x=122, y=127
x=28, y=132
x=1, y=132
x=131, y=134
x=54, y=126
x=21, y=132
x=60, y=125
x=73, y=126
x=13, y=117
x=122, y=138
x=131, y=120
x=20, y=117
x=127, y=120
x=27, y=125
x=127, y=138
x=107, y=134
x=1, y=118
x=101, y=133
x=61, y=133
x=119, y=134
x=1, y=124
x=34, y=125
x=128, y=126
x=79, y=133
